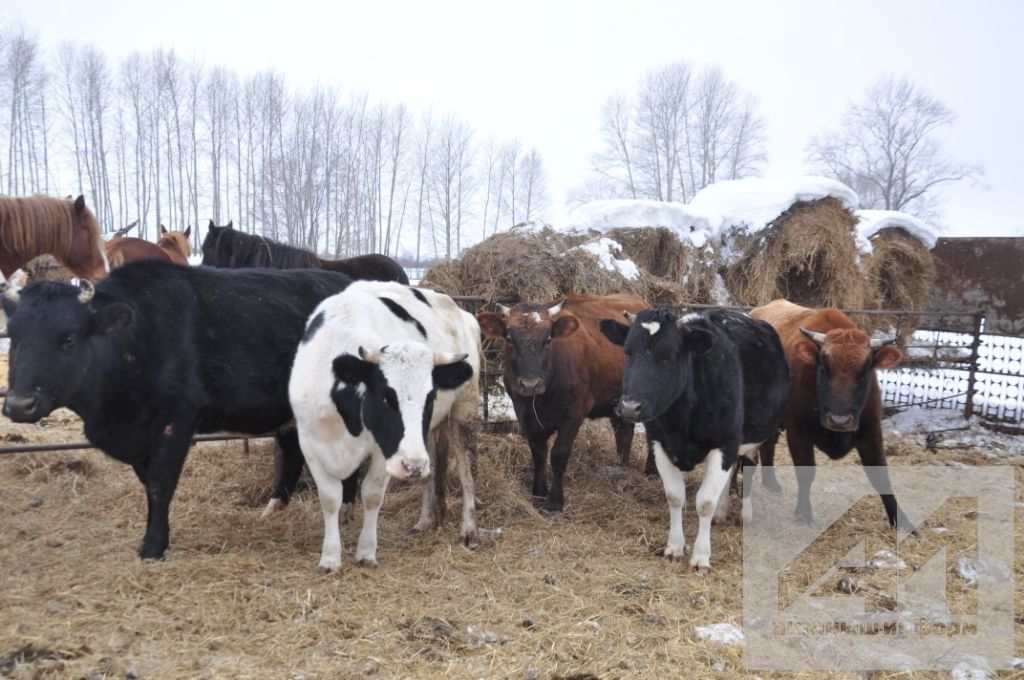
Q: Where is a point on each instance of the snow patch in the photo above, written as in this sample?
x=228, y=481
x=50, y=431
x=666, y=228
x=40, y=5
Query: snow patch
x=754, y=202
x=870, y=222
x=618, y=213
x=721, y=634
x=886, y=559
x=604, y=249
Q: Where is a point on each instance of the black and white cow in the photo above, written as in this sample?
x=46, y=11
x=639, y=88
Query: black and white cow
x=157, y=352
x=709, y=387
x=380, y=368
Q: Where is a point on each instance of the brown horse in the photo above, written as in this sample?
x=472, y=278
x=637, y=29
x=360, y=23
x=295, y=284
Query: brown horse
x=172, y=247
x=64, y=228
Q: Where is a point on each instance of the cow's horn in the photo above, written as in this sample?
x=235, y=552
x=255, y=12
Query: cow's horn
x=10, y=291
x=817, y=337
x=629, y=317
x=445, y=358
x=556, y=308
x=878, y=342
x=87, y=291
x=369, y=356
x=503, y=310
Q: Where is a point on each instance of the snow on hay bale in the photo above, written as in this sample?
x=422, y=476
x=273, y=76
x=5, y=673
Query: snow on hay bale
x=896, y=258
x=786, y=238
x=539, y=264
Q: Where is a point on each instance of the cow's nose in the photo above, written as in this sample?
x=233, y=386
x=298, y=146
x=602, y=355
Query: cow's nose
x=531, y=384
x=413, y=470
x=21, y=407
x=840, y=423
x=629, y=409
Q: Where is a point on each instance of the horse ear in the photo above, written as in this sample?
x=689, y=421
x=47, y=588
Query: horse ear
x=230, y=223
x=211, y=225
x=80, y=203
x=163, y=229
x=188, y=231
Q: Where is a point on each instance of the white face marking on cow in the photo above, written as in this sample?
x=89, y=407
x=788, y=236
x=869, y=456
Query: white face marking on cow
x=536, y=317
x=408, y=368
x=652, y=326
x=360, y=389
x=687, y=318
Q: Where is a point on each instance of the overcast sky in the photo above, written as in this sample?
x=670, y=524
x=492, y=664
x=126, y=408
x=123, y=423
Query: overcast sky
x=541, y=70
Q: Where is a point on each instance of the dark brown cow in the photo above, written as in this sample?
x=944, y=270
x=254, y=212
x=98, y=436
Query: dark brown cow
x=835, y=402
x=559, y=371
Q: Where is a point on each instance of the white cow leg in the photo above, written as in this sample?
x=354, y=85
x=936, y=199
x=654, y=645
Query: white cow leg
x=428, y=492
x=715, y=478
x=675, y=492
x=375, y=485
x=330, y=493
x=722, y=509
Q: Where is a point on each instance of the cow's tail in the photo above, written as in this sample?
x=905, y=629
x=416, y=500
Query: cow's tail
x=442, y=445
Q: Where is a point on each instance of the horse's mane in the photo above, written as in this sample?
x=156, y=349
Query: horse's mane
x=42, y=224
x=238, y=249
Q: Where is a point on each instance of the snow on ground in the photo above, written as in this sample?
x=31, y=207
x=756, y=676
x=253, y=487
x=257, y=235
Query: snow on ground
x=722, y=634
x=870, y=222
x=604, y=249
x=754, y=202
x=952, y=431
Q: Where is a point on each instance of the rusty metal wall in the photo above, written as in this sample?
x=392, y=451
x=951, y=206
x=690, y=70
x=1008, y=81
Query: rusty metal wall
x=982, y=273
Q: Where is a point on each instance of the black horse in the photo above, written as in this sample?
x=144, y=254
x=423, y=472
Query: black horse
x=227, y=247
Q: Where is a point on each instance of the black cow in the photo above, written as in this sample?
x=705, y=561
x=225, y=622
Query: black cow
x=708, y=387
x=158, y=352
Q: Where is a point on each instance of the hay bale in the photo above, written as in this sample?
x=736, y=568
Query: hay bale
x=530, y=265
x=900, y=270
x=807, y=255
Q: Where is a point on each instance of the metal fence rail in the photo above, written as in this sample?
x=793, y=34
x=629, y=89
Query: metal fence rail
x=944, y=367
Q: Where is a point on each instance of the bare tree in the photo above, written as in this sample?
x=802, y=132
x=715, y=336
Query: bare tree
x=682, y=130
x=888, y=148
x=534, y=183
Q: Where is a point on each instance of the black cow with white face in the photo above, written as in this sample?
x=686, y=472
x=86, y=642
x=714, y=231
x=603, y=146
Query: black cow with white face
x=157, y=352
x=709, y=387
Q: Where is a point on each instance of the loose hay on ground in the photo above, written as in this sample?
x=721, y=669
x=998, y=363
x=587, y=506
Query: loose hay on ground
x=579, y=593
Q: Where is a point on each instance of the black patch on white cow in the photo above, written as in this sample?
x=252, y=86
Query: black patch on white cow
x=428, y=412
x=313, y=327
x=376, y=410
x=420, y=296
x=401, y=312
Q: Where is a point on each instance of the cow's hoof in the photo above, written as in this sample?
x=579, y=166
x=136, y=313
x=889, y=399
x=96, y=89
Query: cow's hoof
x=348, y=512
x=674, y=553
x=771, y=484
x=274, y=506
x=469, y=539
x=150, y=552
x=807, y=519
x=650, y=472
x=700, y=569
x=422, y=526
x=328, y=567
x=552, y=509
x=367, y=562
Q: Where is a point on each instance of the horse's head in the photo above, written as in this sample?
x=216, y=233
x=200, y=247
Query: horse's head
x=176, y=240
x=214, y=254
x=86, y=257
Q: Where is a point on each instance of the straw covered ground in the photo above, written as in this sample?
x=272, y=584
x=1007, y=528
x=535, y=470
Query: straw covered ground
x=581, y=595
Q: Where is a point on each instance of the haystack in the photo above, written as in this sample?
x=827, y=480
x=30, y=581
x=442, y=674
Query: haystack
x=897, y=259
x=807, y=255
x=46, y=267
x=533, y=265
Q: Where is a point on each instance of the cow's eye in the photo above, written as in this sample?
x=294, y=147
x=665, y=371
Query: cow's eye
x=67, y=342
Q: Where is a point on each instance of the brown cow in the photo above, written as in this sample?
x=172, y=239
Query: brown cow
x=172, y=247
x=835, y=402
x=559, y=371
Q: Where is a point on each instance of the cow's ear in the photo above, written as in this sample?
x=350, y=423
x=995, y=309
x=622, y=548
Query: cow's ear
x=698, y=340
x=112, y=317
x=80, y=203
x=491, y=325
x=886, y=357
x=452, y=376
x=564, y=327
x=351, y=370
x=615, y=332
x=806, y=351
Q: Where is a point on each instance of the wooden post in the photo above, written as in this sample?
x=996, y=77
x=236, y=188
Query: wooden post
x=979, y=318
